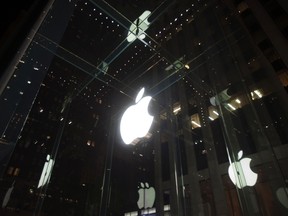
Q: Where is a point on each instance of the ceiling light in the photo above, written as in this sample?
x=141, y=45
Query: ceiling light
x=195, y=123
x=258, y=93
x=232, y=107
x=238, y=101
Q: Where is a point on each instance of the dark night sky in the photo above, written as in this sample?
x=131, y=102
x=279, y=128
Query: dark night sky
x=11, y=10
x=16, y=18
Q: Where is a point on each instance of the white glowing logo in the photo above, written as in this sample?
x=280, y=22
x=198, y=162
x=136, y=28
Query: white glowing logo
x=138, y=27
x=47, y=168
x=244, y=175
x=146, y=196
x=136, y=120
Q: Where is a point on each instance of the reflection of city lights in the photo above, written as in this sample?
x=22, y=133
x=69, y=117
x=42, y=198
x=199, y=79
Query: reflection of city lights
x=176, y=109
x=232, y=107
x=258, y=93
x=147, y=211
x=238, y=101
x=195, y=123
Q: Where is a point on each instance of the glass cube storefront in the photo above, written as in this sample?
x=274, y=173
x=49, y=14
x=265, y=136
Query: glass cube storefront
x=215, y=139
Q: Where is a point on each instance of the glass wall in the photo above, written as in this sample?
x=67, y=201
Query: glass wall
x=214, y=110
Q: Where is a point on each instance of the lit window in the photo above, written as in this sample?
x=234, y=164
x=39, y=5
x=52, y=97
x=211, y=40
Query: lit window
x=16, y=172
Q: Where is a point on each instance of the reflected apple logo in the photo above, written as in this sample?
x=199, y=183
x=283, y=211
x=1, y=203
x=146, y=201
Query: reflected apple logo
x=136, y=120
x=282, y=195
x=146, y=196
x=138, y=27
x=240, y=172
x=46, y=171
x=8, y=195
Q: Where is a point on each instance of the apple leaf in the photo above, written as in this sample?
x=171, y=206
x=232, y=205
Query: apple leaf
x=240, y=154
x=140, y=95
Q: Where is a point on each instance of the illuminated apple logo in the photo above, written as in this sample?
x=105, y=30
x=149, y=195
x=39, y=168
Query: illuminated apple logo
x=136, y=120
x=146, y=196
x=138, y=27
x=244, y=175
x=46, y=171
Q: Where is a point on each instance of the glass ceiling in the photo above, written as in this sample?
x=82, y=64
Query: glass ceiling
x=94, y=51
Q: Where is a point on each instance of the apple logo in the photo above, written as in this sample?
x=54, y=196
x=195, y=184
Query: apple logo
x=7, y=195
x=244, y=175
x=46, y=171
x=138, y=27
x=136, y=120
x=282, y=195
x=146, y=196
